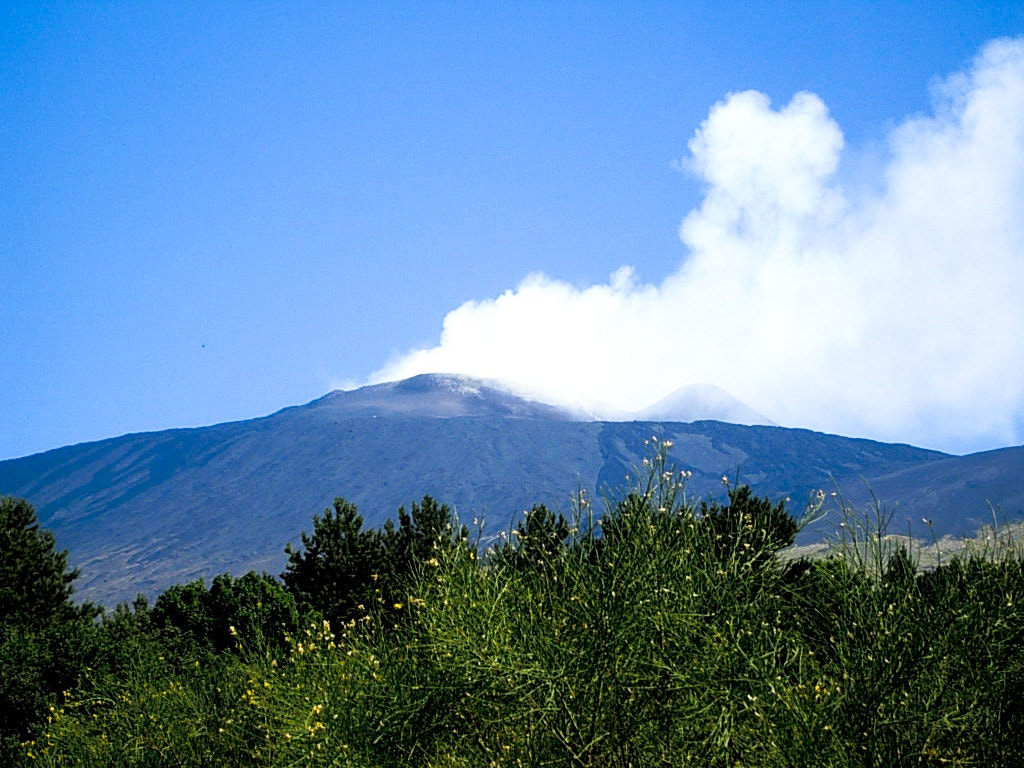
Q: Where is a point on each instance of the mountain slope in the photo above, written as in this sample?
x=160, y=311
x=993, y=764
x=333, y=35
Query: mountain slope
x=952, y=496
x=700, y=402
x=142, y=512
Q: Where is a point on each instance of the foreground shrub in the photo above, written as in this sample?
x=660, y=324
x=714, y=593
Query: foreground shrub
x=193, y=618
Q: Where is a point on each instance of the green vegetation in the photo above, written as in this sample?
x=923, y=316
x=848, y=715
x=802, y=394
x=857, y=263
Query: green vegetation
x=45, y=640
x=657, y=633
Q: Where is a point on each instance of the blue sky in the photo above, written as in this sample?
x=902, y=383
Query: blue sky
x=211, y=211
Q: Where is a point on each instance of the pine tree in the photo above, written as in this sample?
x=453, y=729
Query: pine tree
x=46, y=641
x=335, y=570
x=35, y=582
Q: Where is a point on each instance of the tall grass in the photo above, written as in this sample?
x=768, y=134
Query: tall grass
x=656, y=633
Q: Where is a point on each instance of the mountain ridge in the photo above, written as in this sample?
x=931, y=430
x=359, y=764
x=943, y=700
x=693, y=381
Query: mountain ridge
x=445, y=395
x=146, y=510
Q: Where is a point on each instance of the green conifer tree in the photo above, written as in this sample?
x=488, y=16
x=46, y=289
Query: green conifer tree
x=45, y=639
x=35, y=582
x=337, y=566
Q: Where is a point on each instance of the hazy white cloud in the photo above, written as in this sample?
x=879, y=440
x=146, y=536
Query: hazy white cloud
x=892, y=309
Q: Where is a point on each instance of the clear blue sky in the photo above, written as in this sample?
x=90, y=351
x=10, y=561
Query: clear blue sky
x=210, y=211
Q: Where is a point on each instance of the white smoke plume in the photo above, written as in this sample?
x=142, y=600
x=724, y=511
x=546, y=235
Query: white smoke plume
x=890, y=307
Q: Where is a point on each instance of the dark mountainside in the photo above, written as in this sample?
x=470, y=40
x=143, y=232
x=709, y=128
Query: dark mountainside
x=142, y=512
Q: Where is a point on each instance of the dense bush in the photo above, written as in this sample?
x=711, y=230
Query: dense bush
x=254, y=607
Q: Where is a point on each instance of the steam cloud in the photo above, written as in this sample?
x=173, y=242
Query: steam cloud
x=889, y=307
